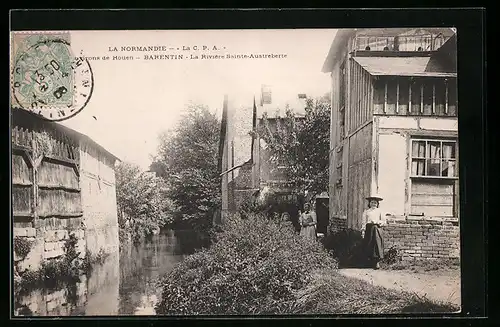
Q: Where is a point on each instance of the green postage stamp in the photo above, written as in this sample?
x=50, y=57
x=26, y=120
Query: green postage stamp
x=47, y=78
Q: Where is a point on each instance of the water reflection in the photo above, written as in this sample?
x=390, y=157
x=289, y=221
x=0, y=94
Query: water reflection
x=125, y=284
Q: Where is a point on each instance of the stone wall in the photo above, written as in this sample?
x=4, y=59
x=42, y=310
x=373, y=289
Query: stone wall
x=47, y=242
x=430, y=239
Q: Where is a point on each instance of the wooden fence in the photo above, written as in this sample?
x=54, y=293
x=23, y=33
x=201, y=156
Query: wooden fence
x=45, y=175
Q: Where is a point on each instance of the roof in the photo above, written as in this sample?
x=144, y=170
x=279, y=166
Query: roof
x=27, y=119
x=343, y=35
x=449, y=46
x=401, y=66
x=445, y=58
x=447, y=32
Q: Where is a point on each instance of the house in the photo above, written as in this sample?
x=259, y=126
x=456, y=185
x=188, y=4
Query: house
x=62, y=183
x=246, y=169
x=394, y=132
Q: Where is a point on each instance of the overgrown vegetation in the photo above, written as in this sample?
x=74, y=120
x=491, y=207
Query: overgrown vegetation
x=143, y=205
x=422, y=266
x=273, y=207
x=187, y=161
x=301, y=145
x=254, y=266
x=67, y=268
x=22, y=246
x=258, y=266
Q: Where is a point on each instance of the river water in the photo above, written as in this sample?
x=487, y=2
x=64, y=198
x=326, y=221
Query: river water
x=124, y=284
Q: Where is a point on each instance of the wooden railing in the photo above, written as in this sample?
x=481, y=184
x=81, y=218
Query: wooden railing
x=425, y=42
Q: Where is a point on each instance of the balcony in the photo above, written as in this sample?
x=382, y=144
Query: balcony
x=412, y=43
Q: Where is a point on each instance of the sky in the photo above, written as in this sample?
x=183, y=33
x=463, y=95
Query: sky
x=134, y=100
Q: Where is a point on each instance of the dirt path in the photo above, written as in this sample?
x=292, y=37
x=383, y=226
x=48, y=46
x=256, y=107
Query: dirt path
x=442, y=286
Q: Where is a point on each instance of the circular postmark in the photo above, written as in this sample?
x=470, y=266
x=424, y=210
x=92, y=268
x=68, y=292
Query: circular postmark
x=49, y=80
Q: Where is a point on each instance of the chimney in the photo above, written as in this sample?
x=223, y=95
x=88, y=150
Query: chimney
x=266, y=97
x=302, y=100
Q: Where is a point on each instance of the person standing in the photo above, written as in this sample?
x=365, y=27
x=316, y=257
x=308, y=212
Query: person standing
x=286, y=220
x=372, y=220
x=308, y=222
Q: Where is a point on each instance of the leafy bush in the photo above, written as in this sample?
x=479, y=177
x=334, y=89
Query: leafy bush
x=54, y=268
x=30, y=278
x=70, y=248
x=258, y=266
x=22, y=246
x=142, y=201
x=301, y=144
x=254, y=266
x=392, y=256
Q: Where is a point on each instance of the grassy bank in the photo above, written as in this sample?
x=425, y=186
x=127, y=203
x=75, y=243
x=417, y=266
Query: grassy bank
x=332, y=293
x=258, y=266
x=423, y=266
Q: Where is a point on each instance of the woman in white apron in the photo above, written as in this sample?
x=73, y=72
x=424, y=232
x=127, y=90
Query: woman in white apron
x=308, y=222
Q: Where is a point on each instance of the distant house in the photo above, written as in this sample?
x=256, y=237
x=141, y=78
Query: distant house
x=245, y=165
x=62, y=183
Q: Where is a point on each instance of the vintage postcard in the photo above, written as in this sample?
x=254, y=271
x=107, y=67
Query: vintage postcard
x=235, y=172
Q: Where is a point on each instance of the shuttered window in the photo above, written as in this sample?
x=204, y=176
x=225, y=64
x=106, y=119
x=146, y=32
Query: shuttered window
x=434, y=178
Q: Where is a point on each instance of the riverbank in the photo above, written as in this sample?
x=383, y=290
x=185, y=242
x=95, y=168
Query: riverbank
x=125, y=283
x=63, y=270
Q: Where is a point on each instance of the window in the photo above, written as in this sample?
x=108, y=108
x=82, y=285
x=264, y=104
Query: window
x=434, y=178
x=433, y=158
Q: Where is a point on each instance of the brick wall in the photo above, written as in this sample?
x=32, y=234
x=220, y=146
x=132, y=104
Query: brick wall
x=423, y=239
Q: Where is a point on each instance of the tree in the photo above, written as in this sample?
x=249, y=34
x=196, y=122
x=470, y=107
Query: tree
x=143, y=205
x=187, y=160
x=302, y=145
